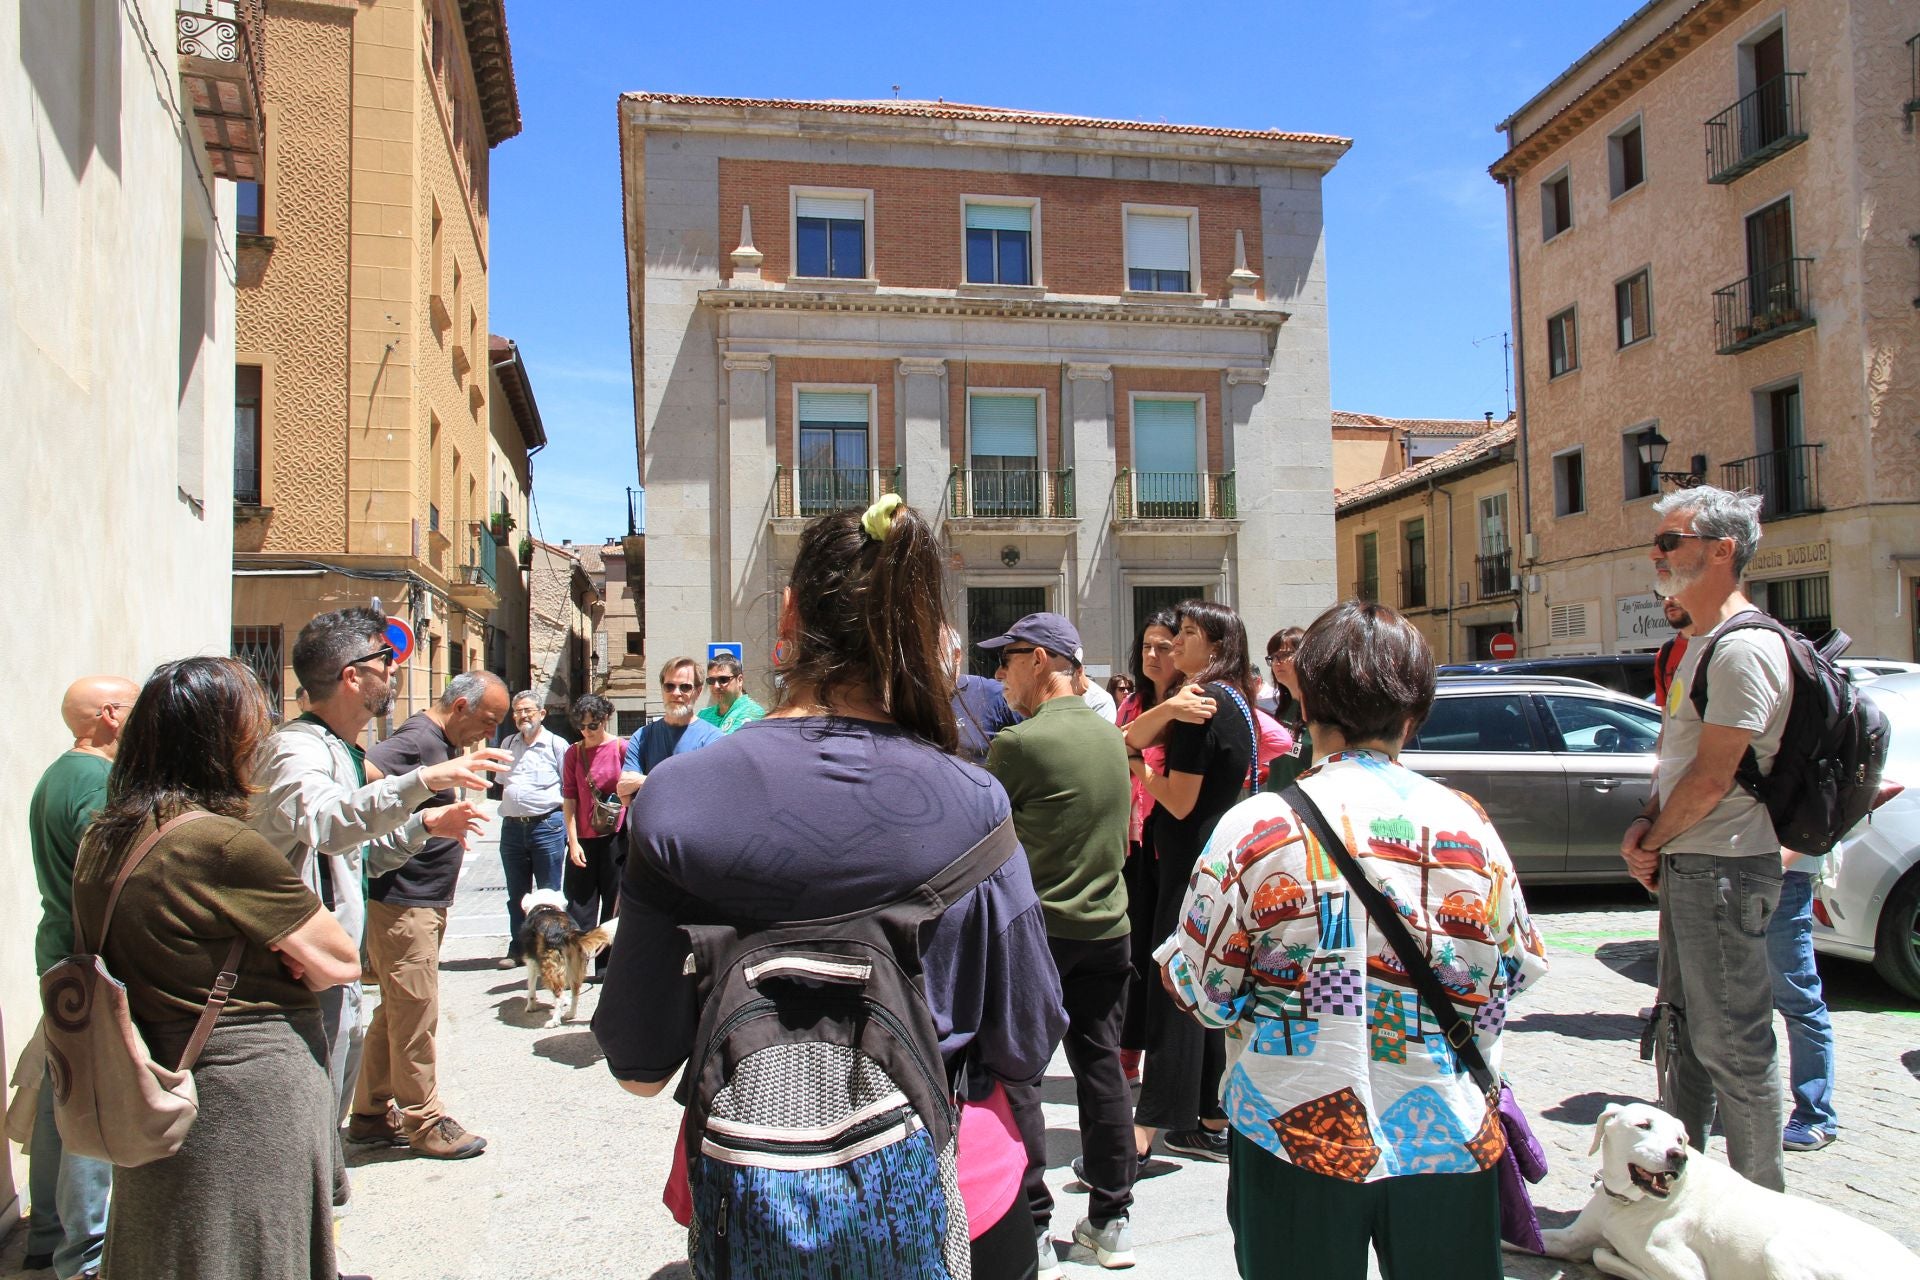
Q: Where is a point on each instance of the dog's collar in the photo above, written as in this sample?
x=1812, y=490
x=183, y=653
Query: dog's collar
x=1600, y=1184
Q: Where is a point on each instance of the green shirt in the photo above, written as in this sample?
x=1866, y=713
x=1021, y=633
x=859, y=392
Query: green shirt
x=71, y=791
x=1065, y=770
x=743, y=711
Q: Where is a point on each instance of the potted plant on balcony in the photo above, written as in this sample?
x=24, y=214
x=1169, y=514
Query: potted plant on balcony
x=525, y=551
x=500, y=524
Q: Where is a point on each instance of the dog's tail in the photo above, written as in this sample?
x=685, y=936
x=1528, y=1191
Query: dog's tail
x=598, y=940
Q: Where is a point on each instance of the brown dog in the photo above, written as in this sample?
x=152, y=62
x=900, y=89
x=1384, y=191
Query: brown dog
x=557, y=952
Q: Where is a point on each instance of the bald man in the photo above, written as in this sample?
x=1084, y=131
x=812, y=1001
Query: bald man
x=69, y=1192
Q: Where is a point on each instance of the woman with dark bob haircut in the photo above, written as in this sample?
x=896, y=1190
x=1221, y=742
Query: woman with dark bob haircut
x=845, y=798
x=1354, y=1122
x=250, y=1192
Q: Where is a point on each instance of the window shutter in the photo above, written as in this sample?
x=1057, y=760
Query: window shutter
x=854, y=209
x=999, y=217
x=1567, y=621
x=1006, y=426
x=1157, y=242
x=1163, y=435
x=846, y=407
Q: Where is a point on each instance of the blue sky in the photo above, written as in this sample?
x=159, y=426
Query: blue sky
x=1416, y=230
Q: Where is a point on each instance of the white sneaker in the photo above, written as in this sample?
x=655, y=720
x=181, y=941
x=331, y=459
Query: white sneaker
x=1049, y=1260
x=1112, y=1244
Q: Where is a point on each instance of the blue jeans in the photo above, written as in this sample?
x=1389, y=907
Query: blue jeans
x=1797, y=995
x=69, y=1195
x=532, y=855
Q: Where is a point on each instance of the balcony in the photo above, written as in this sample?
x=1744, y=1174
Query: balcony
x=801, y=493
x=1787, y=480
x=991, y=499
x=1495, y=571
x=1173, y=501
x=1413, y=587
x=1771, y=303
x=1755, y=129
x=221, y=45
x=476, y=587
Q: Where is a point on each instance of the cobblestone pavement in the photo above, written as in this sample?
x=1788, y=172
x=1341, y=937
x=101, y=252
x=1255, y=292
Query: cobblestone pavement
x=569, y=1186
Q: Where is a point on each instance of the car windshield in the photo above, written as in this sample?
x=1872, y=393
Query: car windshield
x=1597, y=725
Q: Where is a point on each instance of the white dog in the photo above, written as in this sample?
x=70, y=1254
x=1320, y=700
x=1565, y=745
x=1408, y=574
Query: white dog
x=1662, y=1211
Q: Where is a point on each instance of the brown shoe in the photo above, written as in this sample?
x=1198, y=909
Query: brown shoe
x=377, y=1131
x=444, y=1139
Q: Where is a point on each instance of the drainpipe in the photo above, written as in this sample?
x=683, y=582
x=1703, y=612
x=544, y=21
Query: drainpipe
x=1432, y=489
x=1519, y=392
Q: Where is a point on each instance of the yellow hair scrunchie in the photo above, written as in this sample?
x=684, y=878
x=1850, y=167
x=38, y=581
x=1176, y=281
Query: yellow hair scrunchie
x=879, y=518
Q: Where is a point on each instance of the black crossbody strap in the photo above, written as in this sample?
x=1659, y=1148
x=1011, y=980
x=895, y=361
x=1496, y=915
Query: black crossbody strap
x=1457, y=1030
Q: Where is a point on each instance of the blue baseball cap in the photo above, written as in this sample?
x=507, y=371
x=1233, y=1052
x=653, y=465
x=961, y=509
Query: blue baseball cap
x=1049, y=631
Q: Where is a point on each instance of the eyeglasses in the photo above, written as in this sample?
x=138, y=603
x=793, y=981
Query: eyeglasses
x=1279, y=656
x=1668, y=541
x=719, y=682
x=1012, y=653
x=385, y=653
x=592, y=724
x=675, y=686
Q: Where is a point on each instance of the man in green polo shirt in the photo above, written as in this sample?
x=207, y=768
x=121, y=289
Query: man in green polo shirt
x=68, y=1230
x=1065, y=770
x=727, y=684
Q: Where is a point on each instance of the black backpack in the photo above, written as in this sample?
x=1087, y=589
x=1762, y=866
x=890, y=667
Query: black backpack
x=821, y=1128
x=1827, y=772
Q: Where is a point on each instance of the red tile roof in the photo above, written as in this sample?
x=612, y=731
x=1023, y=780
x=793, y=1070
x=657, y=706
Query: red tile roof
x=942, y=110
x=1463, y=427
x=1461, y=457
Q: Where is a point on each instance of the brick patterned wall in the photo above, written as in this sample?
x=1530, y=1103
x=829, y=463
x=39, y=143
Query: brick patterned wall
x=1205, y=382
x=917, y=232
x=963, y=375
x=878, y=374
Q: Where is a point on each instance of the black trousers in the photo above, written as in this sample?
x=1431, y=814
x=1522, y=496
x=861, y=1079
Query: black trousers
x=1005, y=1250
x=1141, y=876
x=1093, y=986
x=1180, y=1079
x=593, y=891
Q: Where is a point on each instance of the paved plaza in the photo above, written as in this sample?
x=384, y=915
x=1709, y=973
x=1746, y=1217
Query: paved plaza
x=569, y=1187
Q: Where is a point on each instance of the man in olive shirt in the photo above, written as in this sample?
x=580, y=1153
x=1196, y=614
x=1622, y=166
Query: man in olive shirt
x=68, y=1230
x=1065, y=771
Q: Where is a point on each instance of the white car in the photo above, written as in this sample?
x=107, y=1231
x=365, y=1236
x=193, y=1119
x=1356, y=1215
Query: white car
x=1867, y=670
x=1869, y=906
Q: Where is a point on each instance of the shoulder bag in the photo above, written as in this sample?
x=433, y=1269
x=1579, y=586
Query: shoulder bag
x=1253, y=733
x=1523, y=1159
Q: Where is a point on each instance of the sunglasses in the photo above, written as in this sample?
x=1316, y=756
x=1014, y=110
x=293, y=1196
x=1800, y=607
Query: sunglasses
x=719, y=682
x=385, y=653
x=1670, y=541
x=675, y=686
x=591, y=724
x=1014, y=653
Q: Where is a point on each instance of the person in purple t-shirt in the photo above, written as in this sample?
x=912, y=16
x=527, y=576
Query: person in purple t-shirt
x=846, y=796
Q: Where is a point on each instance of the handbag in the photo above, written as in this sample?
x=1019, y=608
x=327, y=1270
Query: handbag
x=606, y=811
x=29, y=1077
x=1523, y=1159
x=111, y=1100
x=1253, y=732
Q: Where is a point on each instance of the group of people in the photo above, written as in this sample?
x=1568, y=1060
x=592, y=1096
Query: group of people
x=1169, y=913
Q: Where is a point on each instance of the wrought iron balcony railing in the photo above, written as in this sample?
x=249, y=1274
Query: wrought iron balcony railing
x=1495, y=571
x=483, y=570
x=814, y=491
x=1787, y=480
x=983, y=493
x=1413, y=587
x=222, y=48
x=1755, y=129
x=1771, y=303
x=1173, y=495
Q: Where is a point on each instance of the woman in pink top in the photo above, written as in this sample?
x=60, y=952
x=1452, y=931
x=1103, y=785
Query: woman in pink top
x=589, y=773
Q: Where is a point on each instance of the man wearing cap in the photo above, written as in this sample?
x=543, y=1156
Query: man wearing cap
x=1065, y=772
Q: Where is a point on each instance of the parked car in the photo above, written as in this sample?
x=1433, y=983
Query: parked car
x=1867, y=670
x=1561, y=767
x=1626, y=672
x=1868, y=908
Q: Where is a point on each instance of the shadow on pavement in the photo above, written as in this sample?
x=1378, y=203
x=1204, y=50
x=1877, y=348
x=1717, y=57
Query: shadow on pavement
x=514, y=1012
x=673, y=1271
x=1584, y=1108
x=1638, y=960
x=1582, y=1026
x=359, y=1155
x=1855, y=986
x=574, y=1049
x=1911, y=1061
x=474, y=964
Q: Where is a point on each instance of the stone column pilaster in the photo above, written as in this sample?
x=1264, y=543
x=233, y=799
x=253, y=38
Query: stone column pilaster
x=925, y=460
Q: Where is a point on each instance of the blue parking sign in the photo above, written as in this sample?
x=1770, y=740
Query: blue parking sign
x=727, y=648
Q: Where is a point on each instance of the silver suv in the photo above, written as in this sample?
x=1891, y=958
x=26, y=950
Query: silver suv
x=1560, y=765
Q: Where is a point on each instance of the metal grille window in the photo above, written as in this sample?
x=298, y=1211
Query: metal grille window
x=1633, y=307
x=1804, y=604
x=246, y=435
x=1563, y=344
x=999, y=244
x=260, y=649
x=830, y=237
x=1159, y=253
x=1149, y=600
x=1006, y=454
x=833, y=451
x=990, y=611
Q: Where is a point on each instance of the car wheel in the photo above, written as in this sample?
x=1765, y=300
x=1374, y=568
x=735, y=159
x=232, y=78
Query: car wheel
x=1896, y=951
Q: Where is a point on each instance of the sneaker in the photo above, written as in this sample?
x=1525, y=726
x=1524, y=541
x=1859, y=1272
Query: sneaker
x=1147, y=1167
x=377, y=1131
x=444, y=1139
x=509, y=962
x=1112, y=1244
x=1049, y=1260
x=1198, y=1143
x=1804, y=1137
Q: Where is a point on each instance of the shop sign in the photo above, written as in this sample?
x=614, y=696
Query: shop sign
x=1640, y=621
x=1789, y=561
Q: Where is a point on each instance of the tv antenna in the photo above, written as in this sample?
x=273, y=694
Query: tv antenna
x=1506, y=363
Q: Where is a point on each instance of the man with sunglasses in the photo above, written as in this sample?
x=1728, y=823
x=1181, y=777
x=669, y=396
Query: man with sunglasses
x=1708, y=843
x=727, y=685
x=676, y=733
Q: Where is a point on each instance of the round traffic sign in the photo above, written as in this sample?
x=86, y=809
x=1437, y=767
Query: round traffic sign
x=1503, y=645
x=400, y=636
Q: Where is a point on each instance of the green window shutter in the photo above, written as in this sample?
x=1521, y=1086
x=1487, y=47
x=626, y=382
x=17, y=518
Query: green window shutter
x=850, y=208
x=1005, y=426
x=845, y=407
x=1157, y=241
x=1164, y=435
x=999, y=217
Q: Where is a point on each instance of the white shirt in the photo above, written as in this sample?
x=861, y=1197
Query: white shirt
x=1100, y=700
x=532, y=787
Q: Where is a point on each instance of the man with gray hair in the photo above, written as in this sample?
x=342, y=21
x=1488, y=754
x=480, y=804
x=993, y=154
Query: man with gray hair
x=397, y=1100
x=533, y=830
x=1708, y=844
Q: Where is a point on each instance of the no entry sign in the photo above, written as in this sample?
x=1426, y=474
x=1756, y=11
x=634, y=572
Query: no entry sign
x=1503, y=645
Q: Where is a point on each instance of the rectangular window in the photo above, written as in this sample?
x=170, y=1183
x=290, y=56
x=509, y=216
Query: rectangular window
x=999, y=244
x=246, y=435
x=1563, y=344
x=1805, y=604
x=249, y=204
x=1569, y=483
x=1771, y=283
x=1367, y=556
x=833, y=451
x=636, y=644
x=1626, y=160
x=1005, y=454
x=1633, y=307
x=1413, y=592
x=1637, y=478
x=1556, y=205
x=830, y=237
x=1159, y=252
x=260, y=649
x=1166, y=464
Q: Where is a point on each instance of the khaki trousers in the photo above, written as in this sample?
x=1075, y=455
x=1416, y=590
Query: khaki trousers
x=398, y=1059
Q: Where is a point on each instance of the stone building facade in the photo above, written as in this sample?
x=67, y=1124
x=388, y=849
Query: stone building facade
x=515, y=434
x=363, y=380
x=1093, y=352
x=1369, y=447
x=1713, y=217
x=564, y=616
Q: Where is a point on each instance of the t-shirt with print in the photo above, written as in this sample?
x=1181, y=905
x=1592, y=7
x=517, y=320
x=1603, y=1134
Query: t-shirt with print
x=69, y=793
x=1221, y=753
x=205, y=883
x=1749, y=686
x=427, y=879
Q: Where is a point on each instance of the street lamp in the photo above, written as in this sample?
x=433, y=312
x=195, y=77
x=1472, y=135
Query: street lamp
x=1653, y=451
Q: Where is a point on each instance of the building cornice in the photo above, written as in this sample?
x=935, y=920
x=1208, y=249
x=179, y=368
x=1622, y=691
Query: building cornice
x=485, y=22
x=948, y=304
x=746, y=361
